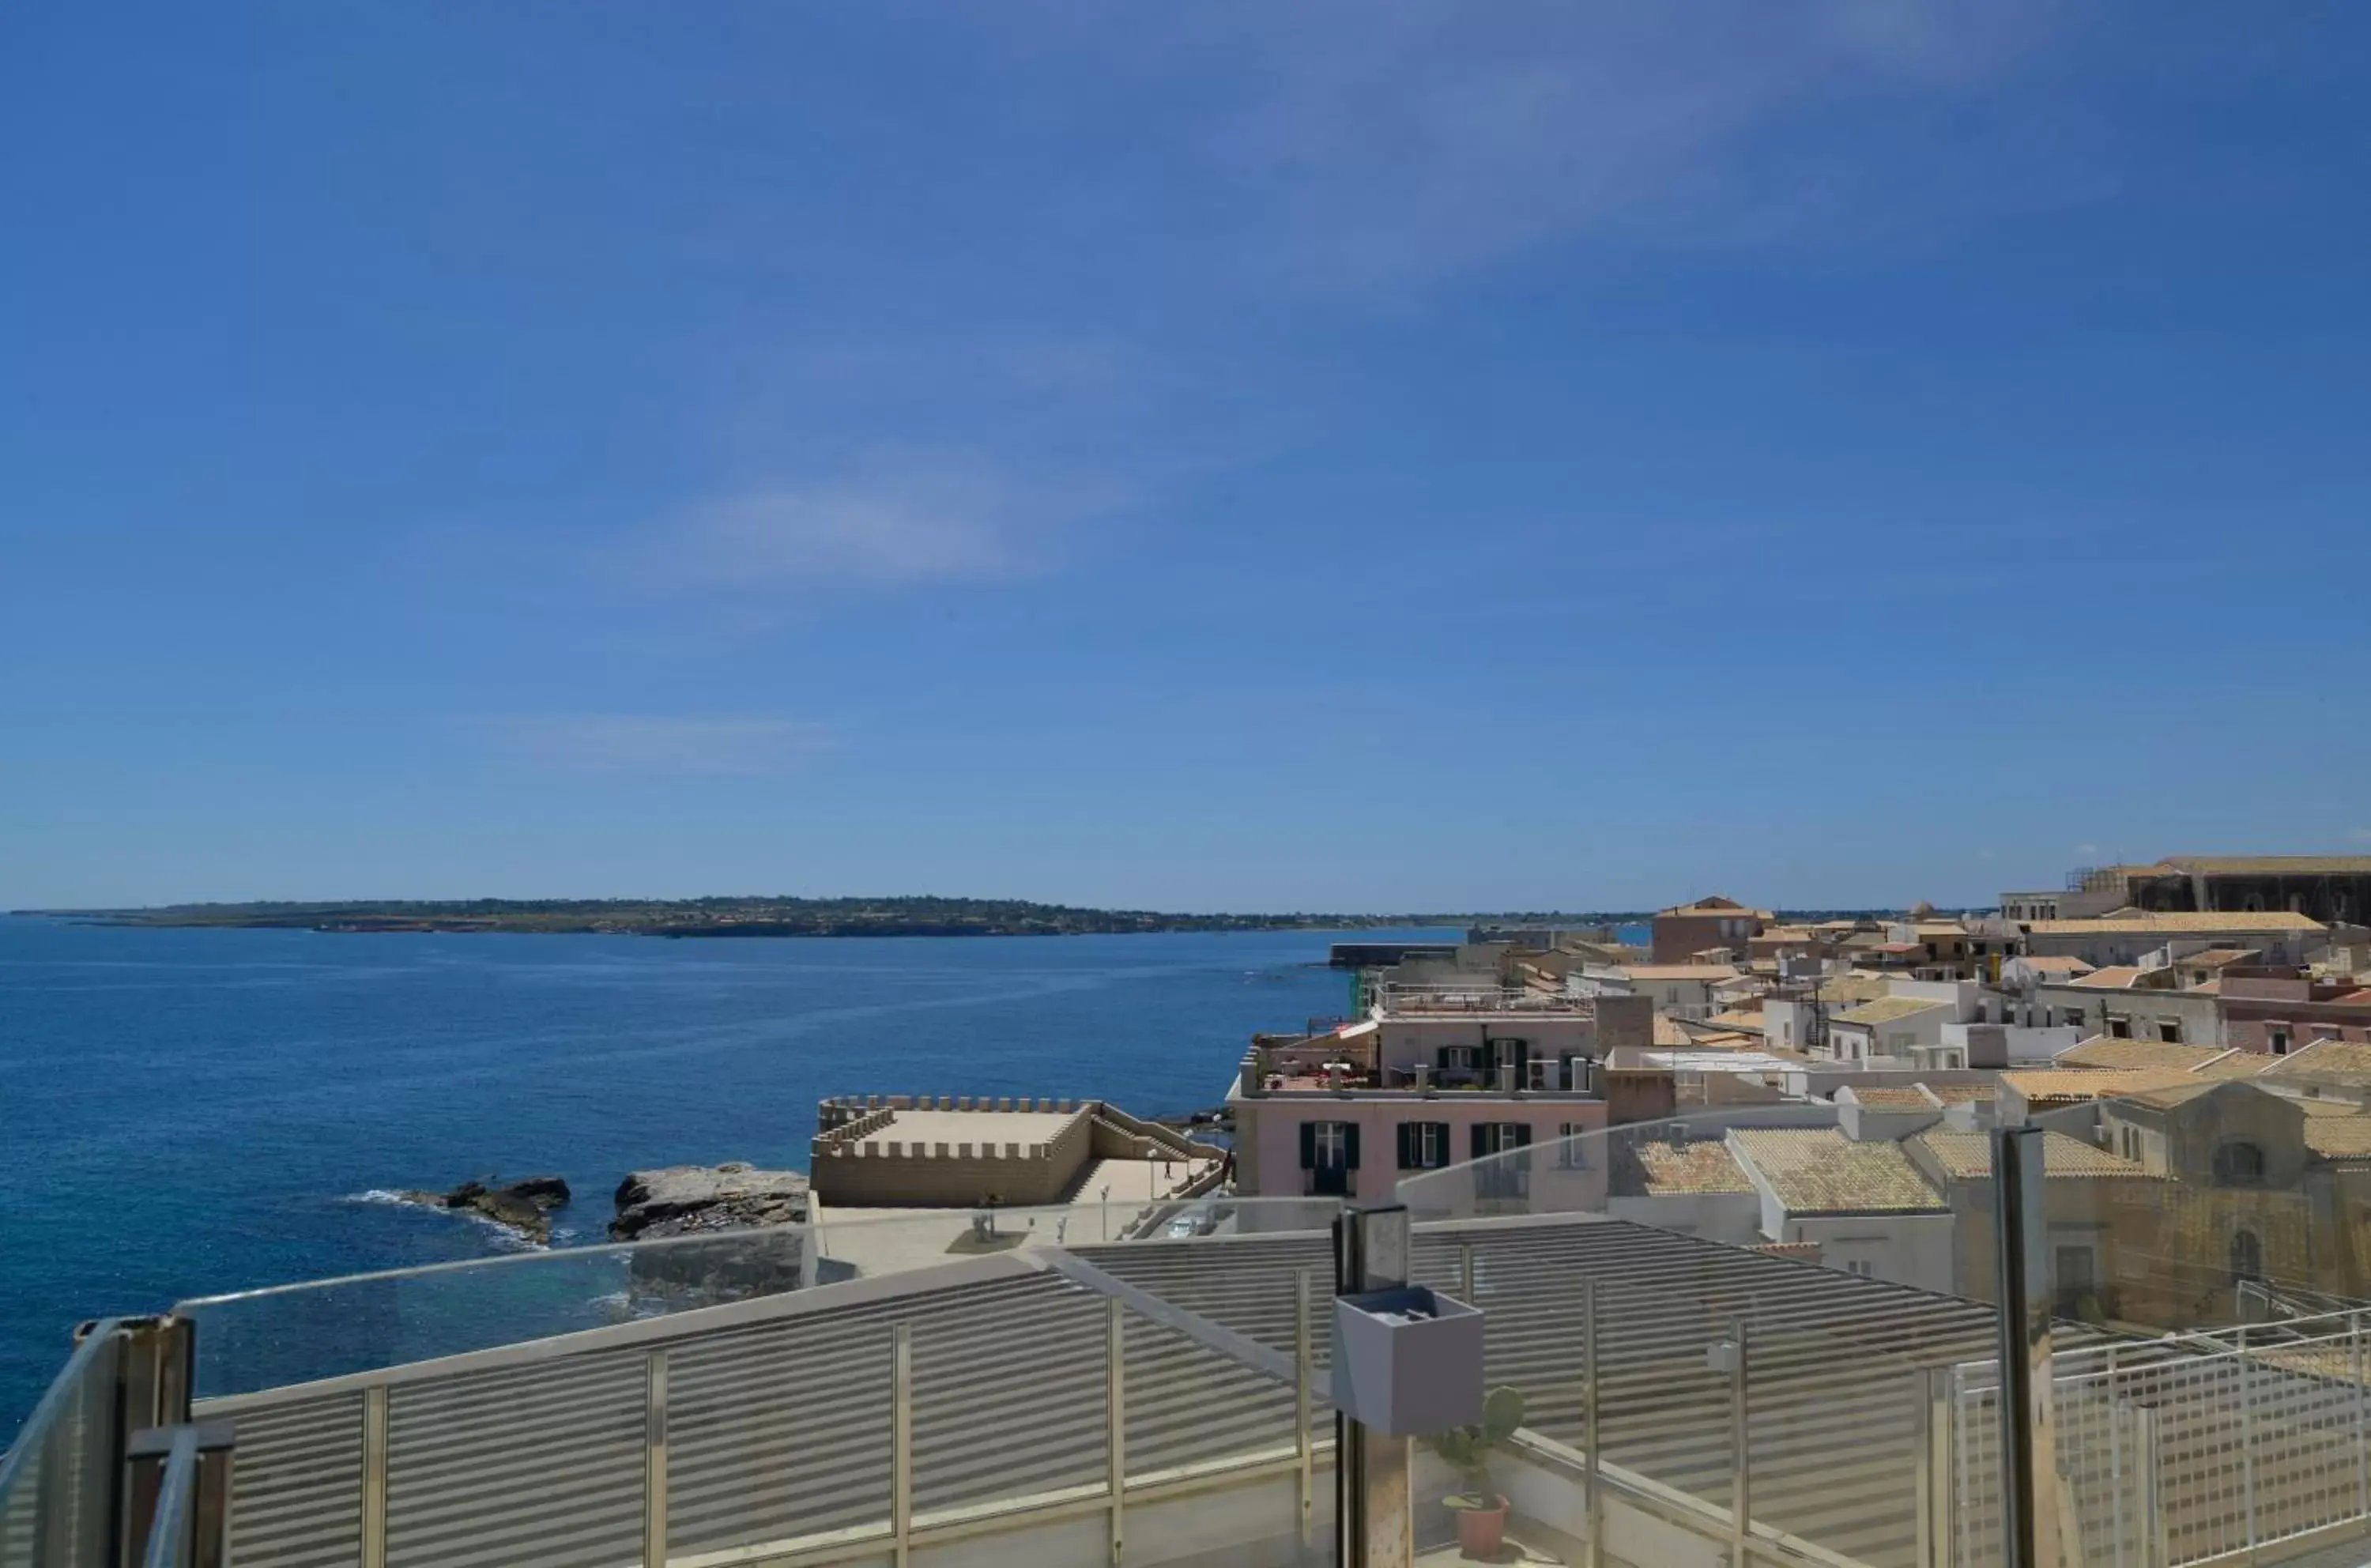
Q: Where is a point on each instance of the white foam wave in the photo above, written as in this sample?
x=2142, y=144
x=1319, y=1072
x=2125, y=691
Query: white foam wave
x=506, y=1238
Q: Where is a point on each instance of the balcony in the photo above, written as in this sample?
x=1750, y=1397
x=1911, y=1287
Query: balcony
x=1765, y=1339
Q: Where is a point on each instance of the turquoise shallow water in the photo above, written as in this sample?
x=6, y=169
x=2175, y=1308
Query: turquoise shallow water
x=188, y=1112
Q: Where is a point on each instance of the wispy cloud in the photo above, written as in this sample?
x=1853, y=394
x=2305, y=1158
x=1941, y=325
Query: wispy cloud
x=661, y=746
x=1396, y=144
x=893, y=519
x=2086, y=851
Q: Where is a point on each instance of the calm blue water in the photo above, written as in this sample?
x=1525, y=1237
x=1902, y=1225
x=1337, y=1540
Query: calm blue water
x=190, y=1112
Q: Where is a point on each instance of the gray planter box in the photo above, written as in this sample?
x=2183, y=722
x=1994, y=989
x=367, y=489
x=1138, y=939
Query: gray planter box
x=1407, y=1362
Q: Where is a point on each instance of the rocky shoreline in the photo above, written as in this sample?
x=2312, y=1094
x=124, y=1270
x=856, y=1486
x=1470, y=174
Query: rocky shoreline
x=653, y=1204
x=524, y=1207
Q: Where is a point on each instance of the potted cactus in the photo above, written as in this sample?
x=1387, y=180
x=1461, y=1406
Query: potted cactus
x=1481, y=1508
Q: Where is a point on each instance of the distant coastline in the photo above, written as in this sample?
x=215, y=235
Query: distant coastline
x=756, y=917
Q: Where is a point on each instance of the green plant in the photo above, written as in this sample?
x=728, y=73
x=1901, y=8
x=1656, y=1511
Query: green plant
x=1467, y=1449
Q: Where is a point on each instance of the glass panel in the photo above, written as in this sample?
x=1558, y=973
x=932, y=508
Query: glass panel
x=55, y=1481
x=2207, y=1252
x=1827, y=1237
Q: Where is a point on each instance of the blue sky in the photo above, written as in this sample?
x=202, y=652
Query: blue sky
x=1359, y=456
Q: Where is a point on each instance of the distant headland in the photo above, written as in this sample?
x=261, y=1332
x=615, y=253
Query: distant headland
x=753, y=916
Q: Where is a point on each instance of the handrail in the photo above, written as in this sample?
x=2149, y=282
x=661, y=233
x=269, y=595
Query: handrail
x=95, y=1339
x=177, y=1497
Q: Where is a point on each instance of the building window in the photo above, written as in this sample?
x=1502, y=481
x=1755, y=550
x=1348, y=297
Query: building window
x=2074, y=1279
x=2239, y=1164
x=1508, y=1174
x=2277, y=1038
x=1329, y=1152
x=2247, y=1257
x=1457, y=1059
x=2170, y=1031
x=1424, y=1146
x=1857, y=1266
x=2120, y=1029
x=1572, y=1149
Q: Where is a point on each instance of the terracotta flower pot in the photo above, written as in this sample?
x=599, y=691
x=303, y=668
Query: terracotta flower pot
x=1482, y=1532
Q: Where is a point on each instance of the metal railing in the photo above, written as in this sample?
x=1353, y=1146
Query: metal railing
x=2202, y=1448
x=974, y=1395
x=107, y=1472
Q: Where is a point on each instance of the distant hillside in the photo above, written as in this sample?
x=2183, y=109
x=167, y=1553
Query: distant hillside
x=900, y=916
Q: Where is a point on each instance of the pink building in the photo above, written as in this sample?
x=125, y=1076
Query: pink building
x=2274, y=1014
x=1435, y=1079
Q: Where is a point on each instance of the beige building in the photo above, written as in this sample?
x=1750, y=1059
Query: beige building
x=1686, y=929
x=948, y=1152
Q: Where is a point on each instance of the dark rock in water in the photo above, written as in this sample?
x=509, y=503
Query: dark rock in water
x=680, y=1204
x=523, y=1205
x=683, y=1200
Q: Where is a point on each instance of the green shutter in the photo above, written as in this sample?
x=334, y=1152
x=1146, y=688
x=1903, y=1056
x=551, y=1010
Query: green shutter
x=1349, y=1146
x=1309, y=1146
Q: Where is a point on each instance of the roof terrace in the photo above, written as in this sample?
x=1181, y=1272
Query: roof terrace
x=1029, y=1392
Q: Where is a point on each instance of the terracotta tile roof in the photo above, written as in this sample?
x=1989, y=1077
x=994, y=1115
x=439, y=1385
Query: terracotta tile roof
x=2115, y=977
x=2052, y=964
x=1819, y=1170
x=1727, y=1040
x=1704, y=1165
x=1716, y=905
x=2236, y=1065
x=1668, y=1034
x=1854, y=988
x=2218, y=958
x=1746, y=1018
x=1680, y=972
x=2049, y=1085
x=2270, y=921
x=2329, y=1061
x=2339, y=1137
x=1960, y=1093
x=1968, y=1157
x=2269, y=865
x=1886, y=1099
x=2171, y=1095
x=2104, y=1051
x=1885, y=1010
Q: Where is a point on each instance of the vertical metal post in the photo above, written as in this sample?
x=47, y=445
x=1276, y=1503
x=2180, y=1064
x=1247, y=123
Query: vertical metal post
x=2116, y=1459
x=2028, y=1436
x=374, y=1521
x=1592, y=1494
x=2151, y=1503
x=156, y=1364
x=2246, y=1436
x=654, y=1459
x=1740, y=1464
x=2362, y=1417
x=1115, y=1421
x=1935, y=1469
x=1304, y=1443
x=215, y=1457
x=1374, y=1509
x=901, y=1443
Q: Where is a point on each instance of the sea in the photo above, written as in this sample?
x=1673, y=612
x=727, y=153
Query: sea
x=190, y=1112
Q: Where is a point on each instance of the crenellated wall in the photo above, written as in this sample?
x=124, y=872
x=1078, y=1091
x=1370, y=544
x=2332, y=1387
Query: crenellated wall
x=913, y=1150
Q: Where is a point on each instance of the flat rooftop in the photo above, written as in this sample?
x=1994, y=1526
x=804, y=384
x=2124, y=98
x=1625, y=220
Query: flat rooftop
x=952, y=1128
